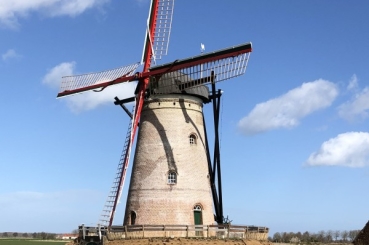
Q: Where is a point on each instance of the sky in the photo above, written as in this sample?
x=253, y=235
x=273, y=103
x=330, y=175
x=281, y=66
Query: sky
x=293, y=129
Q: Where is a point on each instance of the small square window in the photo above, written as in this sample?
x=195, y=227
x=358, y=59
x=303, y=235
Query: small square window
x=192, y=139
x=172, y=178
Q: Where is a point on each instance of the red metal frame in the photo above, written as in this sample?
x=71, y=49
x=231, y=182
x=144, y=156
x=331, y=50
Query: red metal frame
x=143, y=84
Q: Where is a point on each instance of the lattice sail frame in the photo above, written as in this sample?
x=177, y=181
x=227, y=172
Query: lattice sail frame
x=204, y=72
x=163, y=28
x=159, y=37
x=74, y=83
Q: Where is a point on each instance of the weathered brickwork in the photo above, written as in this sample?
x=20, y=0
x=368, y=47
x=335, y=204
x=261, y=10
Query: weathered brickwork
x=163, y=145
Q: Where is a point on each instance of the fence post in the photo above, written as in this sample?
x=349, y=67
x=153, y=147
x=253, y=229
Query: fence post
x=143, y=231
x=83, y=231
x=186, y=231
x=228, y=231
x=125, y=231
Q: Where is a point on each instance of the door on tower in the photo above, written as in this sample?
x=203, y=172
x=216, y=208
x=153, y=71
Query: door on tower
x=197, y=214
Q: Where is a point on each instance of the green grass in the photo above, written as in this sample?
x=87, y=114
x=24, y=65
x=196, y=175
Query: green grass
x=30, y=242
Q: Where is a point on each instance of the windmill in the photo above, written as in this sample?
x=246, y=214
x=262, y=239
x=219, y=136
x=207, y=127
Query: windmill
x=173, y=179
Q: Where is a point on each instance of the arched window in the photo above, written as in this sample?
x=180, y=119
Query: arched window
x=133, y=217
x=172, y=178
x=193, y=139
x=197, y=207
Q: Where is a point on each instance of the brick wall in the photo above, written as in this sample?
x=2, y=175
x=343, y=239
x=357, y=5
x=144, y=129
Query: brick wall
x=163, y=145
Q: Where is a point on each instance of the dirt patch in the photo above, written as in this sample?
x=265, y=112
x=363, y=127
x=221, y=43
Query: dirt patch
x=254, y=242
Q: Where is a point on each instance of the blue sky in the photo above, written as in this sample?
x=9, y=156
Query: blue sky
x=294, y=128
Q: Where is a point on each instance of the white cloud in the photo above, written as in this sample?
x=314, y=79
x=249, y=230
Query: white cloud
x=353, y=83
x=349, y=149
x=10, y=54
x=286, y=111
x=358, y=106
x=53, y=77
x=90, y=100
x=11, y=11
x=87, y=100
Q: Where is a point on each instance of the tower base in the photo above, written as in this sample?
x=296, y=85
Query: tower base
x=181, y=234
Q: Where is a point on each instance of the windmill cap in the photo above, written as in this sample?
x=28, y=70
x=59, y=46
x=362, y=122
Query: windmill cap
x=178, y=83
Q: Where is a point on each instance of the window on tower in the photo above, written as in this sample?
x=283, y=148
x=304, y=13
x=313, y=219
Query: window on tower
x=172, y=178
x=192, y=139
x=133, y=217
x=197, y=207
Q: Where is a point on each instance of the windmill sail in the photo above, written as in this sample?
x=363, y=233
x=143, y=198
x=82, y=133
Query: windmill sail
x=80, y=83
x=204, y=69
x=157, y=37
x=156, y=45
x=112, y=201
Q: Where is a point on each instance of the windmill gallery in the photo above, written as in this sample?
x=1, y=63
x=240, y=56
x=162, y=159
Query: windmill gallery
x=175, y=185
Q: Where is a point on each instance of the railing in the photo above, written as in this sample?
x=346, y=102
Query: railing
x=206, y=231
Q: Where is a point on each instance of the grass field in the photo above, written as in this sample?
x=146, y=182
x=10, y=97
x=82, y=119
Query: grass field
x=31, y=242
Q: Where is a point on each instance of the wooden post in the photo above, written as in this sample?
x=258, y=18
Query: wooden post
x=186, y=231
x=125, y=231
x=228, y=231
x=143, y=231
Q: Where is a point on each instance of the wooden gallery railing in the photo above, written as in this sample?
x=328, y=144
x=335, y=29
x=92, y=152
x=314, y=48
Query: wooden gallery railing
x=206, y=231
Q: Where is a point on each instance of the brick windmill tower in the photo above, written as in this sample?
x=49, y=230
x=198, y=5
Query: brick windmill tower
x=170, y=182
x=173, y=180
